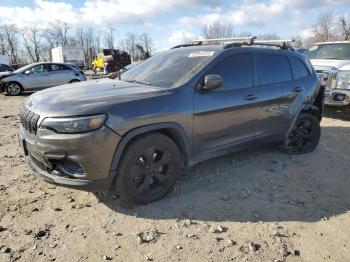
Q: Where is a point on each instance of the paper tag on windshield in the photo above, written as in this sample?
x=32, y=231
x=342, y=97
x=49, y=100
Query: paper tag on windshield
x=201, y=53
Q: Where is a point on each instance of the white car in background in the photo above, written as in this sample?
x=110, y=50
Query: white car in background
x=331, y=61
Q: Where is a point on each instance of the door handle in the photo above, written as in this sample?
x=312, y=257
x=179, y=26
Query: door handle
x=250, y=97
x=298, y=89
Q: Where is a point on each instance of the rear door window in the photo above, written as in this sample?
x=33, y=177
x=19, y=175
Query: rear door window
x=56, y=67
x=274, y=69
x=298, y=67
x=236, y=71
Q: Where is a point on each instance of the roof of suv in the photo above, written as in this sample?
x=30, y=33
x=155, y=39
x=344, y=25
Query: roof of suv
x=252, y=49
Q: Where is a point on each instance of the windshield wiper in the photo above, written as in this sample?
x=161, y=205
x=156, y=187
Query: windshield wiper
x=137, y=82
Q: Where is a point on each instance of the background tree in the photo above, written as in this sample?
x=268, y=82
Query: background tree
x=130, y=44
x=217, y=30
x=32, y=40
x=344, y=24
x=10, y=41
x=146, y=42
x=57, y=33
x=109, y=37
x=323, y=29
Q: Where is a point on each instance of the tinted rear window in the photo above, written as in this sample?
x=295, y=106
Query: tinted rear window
x=298, y=67
x=274, y=69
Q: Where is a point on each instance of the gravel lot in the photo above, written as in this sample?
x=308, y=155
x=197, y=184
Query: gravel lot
x=257, y=205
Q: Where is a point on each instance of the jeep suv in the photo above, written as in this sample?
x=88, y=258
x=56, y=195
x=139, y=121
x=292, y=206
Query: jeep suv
x=332, y=62
x=135, y=135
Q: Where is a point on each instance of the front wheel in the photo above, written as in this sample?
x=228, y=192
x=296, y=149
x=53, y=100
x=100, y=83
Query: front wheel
x=13, y=89
x=304, y=136
x=148, y=169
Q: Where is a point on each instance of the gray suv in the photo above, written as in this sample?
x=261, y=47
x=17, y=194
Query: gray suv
x=38, y=76
x=135, y=135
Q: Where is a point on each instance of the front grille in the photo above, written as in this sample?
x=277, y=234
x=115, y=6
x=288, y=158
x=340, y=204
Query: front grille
x=29, y=120
x=328, y=78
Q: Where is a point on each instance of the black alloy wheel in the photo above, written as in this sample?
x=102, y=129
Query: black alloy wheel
x=149, y=169
x=304, y=136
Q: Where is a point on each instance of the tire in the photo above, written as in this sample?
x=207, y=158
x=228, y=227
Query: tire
x=13, y=89
x=304, y=136
x=74, y=81
x=148, y=169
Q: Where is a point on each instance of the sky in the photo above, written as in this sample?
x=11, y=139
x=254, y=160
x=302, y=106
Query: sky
x=169, y=22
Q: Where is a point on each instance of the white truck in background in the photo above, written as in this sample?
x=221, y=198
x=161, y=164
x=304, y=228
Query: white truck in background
x=331, y=61
x=67, y=54
x=5, y=60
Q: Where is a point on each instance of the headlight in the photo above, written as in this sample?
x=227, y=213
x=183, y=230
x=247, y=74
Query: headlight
x=74, y=125
x=343, y=79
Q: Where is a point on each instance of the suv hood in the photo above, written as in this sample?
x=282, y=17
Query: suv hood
x=338, y=64
x=89, y=97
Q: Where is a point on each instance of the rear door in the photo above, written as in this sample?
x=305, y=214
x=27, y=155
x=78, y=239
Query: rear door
x=228, y=114
x=60, y=74
x=278, y=91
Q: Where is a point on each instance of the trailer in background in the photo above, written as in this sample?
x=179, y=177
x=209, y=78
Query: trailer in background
x=67, y=54
x=5, y=60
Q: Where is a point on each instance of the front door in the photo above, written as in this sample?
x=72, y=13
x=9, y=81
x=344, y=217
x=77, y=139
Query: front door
x=228, y=114
x=38, y=77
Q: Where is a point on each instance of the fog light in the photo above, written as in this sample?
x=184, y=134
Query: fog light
x=71, y=167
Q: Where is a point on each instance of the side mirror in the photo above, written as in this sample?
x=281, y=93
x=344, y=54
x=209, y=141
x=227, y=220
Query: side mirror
x=212, y=82
x=28, y=72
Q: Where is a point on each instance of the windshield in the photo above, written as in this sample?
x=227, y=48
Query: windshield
x=330, y=51
x=23, y=69
x=169, y=69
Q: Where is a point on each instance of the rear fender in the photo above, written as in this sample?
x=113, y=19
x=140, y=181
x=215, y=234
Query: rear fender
x=308, y=109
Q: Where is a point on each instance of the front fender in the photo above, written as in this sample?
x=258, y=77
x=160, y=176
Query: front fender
x=179, y=133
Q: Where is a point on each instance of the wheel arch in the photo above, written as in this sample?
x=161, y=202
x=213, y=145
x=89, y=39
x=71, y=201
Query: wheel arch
x=16, y=82
x=307, y=109
x=312, y=110
x=173, y=130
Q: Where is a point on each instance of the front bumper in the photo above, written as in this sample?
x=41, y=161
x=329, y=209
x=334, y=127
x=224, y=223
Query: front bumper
x=93, y=152
x=2, y=86
x=338, y=97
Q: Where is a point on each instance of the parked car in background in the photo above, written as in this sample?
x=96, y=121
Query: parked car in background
x=331, y=61
x=38, y=76
x=175, y=109
x=5, y=68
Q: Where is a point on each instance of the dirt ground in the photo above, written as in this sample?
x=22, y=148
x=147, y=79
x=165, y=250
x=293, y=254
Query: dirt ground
x=257, y=205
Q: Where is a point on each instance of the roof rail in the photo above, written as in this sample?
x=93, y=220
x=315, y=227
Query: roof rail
x=244, y=39
x=282, y=44
x=186, y=45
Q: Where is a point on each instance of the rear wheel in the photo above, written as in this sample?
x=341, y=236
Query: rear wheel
x=74, y=81
x=13, y=89
x=304, y=136
x=148, y=169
